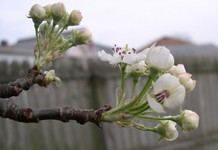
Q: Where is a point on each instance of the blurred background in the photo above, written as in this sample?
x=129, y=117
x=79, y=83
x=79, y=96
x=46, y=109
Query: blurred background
x=187, y=27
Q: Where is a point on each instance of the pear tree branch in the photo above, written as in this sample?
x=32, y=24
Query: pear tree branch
x=34, y=76
x=28, y=115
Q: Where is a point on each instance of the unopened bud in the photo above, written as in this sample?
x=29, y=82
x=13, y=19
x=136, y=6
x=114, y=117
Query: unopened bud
x=58, y=10
x=186, y=80
x=177, y=70
x=190, y=120
x=48, y=9
x=167, y=130
x=37, y=13
x=82, y=36
x=75, y=17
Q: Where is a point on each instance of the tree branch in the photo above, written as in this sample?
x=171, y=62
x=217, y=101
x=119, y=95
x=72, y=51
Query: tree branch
x=27, y=115
x=15, y=88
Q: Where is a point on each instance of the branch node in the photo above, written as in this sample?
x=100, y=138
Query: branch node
x=99, y=114
x=27, y=113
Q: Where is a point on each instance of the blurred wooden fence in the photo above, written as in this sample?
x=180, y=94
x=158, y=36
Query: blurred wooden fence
x=91, y=84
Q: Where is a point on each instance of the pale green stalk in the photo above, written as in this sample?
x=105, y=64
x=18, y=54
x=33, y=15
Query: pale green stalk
x=123, y=68
x=133, y=88
x=145, y=88
x=38, y=44
x=155, y=118
x=120, y=108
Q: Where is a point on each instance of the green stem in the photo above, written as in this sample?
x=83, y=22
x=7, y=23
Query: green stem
x=140, y=126
x=151, y=129
x=145, y=88
x=155, y=118
x=59, y=32
x=38, y=43
x=133, y=88
x=140, y=109
x=49, y=36
x=120, y=108
x=123, y=68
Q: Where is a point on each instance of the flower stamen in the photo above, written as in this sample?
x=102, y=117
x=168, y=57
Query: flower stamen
x=160, y=97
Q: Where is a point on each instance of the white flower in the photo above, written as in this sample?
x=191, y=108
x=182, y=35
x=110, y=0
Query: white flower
x=159, y=57
x=177, y=70
x=190, y=120
x=186, y=80
x=122, y=55
x=167, y=92
x=138, y=67
x=184, y=77
x=167, y=129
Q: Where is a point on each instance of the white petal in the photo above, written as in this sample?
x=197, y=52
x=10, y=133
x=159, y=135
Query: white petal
x=164, y=82
x=176, y=98
x=104, y=56
x=155, y=105
x=160, y=57
x=130, y=58
x=169, y=62
x=138, y=67
x=171, y=131
x=115, y=59
x=142, y=55
x=177, y=70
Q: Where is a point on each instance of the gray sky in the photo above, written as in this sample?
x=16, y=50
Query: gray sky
x=133, y=22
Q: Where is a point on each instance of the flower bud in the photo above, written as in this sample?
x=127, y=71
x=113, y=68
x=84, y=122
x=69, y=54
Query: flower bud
x=159, y=57
x=58, y=10
x=177, y=70
x=167, y=130
x=74, y=18
x=48, y=9
x=82, y=36
x=136, y=70
x=188, y=120
x=50, y=76
x=137, y=67
x=37, y=13
x=186, y=80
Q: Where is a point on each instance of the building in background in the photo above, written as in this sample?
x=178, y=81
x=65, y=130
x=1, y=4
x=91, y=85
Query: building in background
x=23, y=49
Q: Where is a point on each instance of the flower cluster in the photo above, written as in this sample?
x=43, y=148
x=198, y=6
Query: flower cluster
x=165, y=88
x=49, y=22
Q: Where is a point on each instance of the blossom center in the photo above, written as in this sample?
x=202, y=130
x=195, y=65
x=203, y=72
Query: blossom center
x=160, y=97
x=123, y=51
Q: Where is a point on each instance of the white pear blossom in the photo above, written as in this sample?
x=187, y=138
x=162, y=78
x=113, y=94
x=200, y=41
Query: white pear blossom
x=190, y=120
x=167, y=129
x=186, y=80
x=138, y=67
x=159, y=57
x=122, y=55
x=177, y=70
x=184, y=77
x=167, y=92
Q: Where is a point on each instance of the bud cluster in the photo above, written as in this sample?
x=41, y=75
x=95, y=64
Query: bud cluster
x=49, y=22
